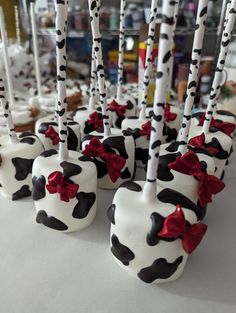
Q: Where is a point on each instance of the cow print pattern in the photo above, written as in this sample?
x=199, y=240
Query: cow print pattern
x=121, y=43
x=85, y=203
x=160, y=269
x=215, y=90
x=23, y=167
x=38, y=191
x=50, y=221
x=120, y=251
x=165, y=44
x=7, y=112
x=94, y=6
x=193, y=72
x=23, y=192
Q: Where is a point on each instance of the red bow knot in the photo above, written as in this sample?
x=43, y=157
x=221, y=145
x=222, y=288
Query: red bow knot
x=95, y=120
x=175, y=226
x=168, y=115
x=200, y=142
x=146, y=130
x=119, y=109
x=52, y=134
x=208, y=185
x=57, y=184
x=115, y=163
x=225, y=127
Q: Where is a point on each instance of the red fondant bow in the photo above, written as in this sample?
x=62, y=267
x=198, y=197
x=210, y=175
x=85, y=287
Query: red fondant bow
x=95, y=120
x=199, y=142
x=175, y=226
x=224, y=127
x=57, y=184
x=208, y=185
x=146, y=130
x=115, y=163
x=52, y=134
x=168, y=115
x=119, y=109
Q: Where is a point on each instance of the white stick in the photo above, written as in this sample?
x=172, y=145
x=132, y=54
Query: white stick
x=225, y=41
x=61, y=32
x=148, y=61
x=193, y=73
x=164, y=54
x=7, y=113
x=36, y=49
x=94, y=15
x=17, y=20
x=121, y=50
x=92, y=83
x=6, y=58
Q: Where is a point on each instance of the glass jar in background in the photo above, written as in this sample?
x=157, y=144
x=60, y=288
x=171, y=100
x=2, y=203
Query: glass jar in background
x=78, y=18
x=104, y=18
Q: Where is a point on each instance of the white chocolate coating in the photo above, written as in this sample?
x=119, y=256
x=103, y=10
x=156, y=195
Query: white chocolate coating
x=73, y=130
x=46, y=102
x=141, y=143
x=105, y=181
x=132, y=219
x=224, y=140
x=16, y=164
x=129, y=111
x=51, y=207
x=185, y=184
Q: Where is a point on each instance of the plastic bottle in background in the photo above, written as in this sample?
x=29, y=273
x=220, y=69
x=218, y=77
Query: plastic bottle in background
x=70, y=19
x=128, y=17
x=189, y=13
x=114, y=18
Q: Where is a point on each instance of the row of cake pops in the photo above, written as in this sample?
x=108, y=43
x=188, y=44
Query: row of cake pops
x=64, y=182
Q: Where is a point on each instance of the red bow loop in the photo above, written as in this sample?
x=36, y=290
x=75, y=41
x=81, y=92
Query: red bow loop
x=119, y=109
x=146, y=130
x=52, y=134
x=225, y=127
x=115, y=162
x=175, y=226
x=200, y=142
x=208, y=185
x=168, y=115
x=95, y=121
x=57, y=184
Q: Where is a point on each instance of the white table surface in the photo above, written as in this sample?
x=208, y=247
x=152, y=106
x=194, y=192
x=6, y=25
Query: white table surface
x=43, y=271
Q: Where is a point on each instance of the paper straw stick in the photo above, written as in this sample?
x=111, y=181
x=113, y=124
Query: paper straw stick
x=7, y=113
x=92, y=82
x=94, y=15
x=148, y=61
x=6, y=58
x=164, y=54
x=36, y=49
x=225, y=41
x=193, y=73
x=121, y=50
x=17, y=20
x=61, y=32
x=172, y=54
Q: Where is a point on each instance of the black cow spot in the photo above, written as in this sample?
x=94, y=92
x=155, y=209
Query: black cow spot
x=164, y=172
x=50, y=221
x=131, y=186
x=141, y=155
x=28, y=140
x=125, y=174
x=21, y=193
x=72, y=141
x=121, y=252
x=117, y=143
x=48, y=153
x=111, y=213
x=160, y=269
x=44, y=126
x=70, y=169
x=85, y=202
x=174, y=197
x=38, y=191
x=23, y=167
x=60, y=44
